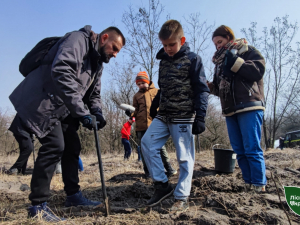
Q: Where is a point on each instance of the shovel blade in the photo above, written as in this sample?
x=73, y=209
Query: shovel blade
x=107, y=207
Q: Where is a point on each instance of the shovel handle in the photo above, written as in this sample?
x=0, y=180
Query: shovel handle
x=107, y=208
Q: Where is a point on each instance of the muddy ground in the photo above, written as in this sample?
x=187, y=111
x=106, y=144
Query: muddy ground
x=215, y=198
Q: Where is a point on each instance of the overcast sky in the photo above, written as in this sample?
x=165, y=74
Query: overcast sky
x=24, y=23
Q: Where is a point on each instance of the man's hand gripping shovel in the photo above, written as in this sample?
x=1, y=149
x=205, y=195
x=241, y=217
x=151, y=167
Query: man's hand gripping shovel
x=105, y=198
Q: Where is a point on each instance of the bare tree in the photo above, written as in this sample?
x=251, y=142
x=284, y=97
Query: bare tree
x=216, y=131
x=111, y=134
x=284, y=63
x=251, y=35
x=143, y=27
x=123, y=80
x=199, y=33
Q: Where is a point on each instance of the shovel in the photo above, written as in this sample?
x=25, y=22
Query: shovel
x=105, y=198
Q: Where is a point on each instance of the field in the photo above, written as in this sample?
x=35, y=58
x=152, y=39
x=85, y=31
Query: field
x=215, y=198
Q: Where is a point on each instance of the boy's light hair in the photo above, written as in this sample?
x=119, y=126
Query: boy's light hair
x=169, y=29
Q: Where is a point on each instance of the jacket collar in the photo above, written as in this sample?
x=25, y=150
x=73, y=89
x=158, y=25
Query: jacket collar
x=94, y=42
x=185, y=49
x=151, y=86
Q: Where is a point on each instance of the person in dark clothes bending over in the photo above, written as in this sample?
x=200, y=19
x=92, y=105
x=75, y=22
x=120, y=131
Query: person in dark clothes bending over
x=51, y=101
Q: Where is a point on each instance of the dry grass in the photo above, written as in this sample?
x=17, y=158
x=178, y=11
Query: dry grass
x=89, y=181
x=14, y=202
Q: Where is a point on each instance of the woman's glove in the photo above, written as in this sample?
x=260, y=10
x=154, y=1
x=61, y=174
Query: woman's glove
x=229, y=61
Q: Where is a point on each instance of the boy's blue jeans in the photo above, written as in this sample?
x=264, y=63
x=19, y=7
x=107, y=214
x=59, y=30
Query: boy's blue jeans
x=244, y=131
x=127, y=148
x=152, y=142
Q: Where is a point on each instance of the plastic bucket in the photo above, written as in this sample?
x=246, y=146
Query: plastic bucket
x=224, y=160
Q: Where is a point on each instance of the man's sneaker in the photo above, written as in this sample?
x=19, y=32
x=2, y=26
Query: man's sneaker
x=79, y=200
x=43, y=212
x=259, y=189
x=171, y=173
x=12, y=171
x=161, y=193
x=180, y=205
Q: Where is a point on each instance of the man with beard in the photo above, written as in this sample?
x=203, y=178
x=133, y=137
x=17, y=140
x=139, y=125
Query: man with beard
x=51, y=101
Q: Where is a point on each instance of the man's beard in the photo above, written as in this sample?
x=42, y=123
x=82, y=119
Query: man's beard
x=104, y=57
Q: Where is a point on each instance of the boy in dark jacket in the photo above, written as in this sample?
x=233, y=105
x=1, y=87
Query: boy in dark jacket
x=183, y=93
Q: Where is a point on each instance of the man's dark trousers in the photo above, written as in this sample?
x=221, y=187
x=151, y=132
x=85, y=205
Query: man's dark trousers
x=62, y=143
x=26, y=147
x=127, y=148
x=25, y=141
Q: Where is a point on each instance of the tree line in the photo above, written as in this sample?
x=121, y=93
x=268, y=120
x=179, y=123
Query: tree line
x=281, y=80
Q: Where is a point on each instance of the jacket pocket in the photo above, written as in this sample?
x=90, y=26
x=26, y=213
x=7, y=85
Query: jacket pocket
x=55, y=99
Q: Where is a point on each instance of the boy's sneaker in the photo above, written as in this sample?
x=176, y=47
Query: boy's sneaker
x=180, y=205
x=162, y=191
x=79, y=200
x=42, y=211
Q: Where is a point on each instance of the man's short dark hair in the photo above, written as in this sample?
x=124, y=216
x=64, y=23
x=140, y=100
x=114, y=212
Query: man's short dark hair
x=115, y=29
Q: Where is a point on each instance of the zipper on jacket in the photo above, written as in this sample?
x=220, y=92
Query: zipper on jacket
x=249, y=89
x=233, y=92
x=246, y=88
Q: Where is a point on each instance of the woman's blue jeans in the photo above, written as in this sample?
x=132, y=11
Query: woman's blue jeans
x=244, y=131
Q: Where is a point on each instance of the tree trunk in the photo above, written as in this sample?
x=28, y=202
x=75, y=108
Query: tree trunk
x=265, y=133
